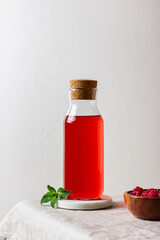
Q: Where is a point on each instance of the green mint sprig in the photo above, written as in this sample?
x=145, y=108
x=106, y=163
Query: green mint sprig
x=53, y=196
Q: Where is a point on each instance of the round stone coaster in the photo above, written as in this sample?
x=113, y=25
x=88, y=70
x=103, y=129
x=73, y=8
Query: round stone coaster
x=103, y=202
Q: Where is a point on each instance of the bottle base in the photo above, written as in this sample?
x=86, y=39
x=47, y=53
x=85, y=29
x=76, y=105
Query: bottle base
x=85, y=199
x=71, y=204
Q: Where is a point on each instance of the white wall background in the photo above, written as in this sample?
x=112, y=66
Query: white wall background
x=43, y=44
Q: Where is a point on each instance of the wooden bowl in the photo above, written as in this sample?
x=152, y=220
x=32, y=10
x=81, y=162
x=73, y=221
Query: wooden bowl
x=143, y=207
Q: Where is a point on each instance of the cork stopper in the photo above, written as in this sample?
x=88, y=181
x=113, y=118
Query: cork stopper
x=82, y=89
x=83, y=83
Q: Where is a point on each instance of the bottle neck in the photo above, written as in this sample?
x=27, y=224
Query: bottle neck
x=83, y=108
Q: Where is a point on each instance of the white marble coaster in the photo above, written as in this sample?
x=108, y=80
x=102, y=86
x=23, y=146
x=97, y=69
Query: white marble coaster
x=103, y=202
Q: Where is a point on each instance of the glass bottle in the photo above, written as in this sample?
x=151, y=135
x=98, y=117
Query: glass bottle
x=83, y=142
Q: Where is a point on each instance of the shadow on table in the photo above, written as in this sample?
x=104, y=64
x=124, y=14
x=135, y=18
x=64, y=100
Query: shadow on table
x=119, y=204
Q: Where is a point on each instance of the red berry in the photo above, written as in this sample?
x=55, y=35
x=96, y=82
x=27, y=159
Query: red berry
x=137, y=191
x=144, y=194
x=152, y=193
x=150, y=189
x=131, y=193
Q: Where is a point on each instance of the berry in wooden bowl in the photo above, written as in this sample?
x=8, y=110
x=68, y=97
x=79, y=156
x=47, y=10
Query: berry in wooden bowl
x=143, y=203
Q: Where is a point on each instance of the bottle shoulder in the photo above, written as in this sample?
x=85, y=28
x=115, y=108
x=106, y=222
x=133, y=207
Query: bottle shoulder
x=83, y=108
x=87, y=120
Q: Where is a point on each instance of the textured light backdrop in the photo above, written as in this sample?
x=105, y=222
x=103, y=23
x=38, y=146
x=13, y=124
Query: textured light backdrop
x=43, y=44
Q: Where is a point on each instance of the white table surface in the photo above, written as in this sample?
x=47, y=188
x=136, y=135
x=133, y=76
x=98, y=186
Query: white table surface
x=29, y=221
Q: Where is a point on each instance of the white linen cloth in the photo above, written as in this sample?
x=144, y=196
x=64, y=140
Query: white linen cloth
x=30, y=221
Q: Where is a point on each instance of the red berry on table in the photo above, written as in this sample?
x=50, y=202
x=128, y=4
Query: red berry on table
x=152, y=193
x=159, y=194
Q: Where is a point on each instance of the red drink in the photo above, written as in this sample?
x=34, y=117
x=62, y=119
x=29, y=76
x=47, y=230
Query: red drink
x=83, y=171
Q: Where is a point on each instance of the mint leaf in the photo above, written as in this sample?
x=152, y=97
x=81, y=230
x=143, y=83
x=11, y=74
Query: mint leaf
x=54, y=201
x=53, y=196
x=62, y=193
x=51, y=189
x=47, y=197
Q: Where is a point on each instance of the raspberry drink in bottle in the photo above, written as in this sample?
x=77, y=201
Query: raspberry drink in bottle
x=83, y=142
